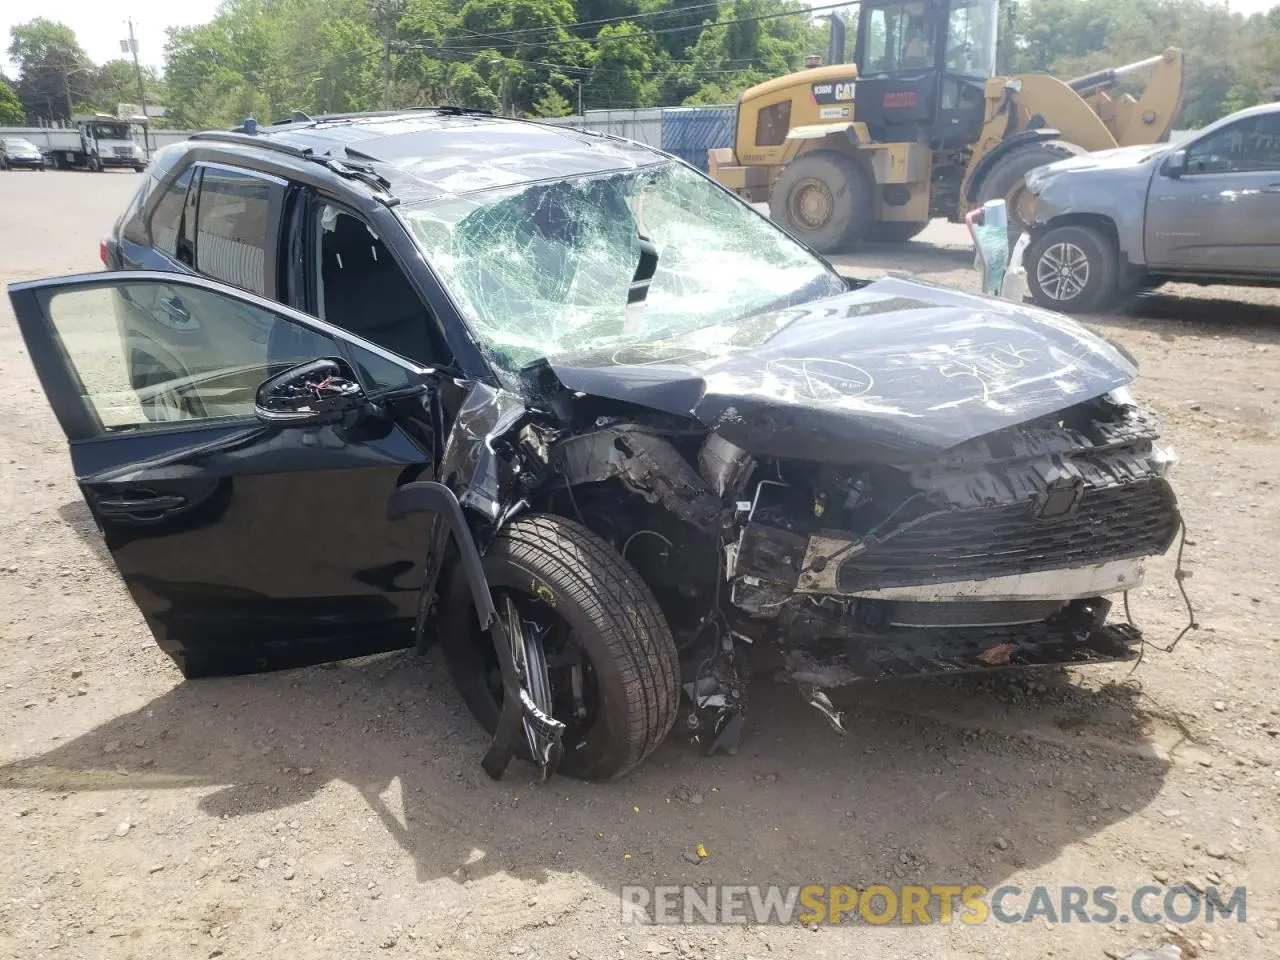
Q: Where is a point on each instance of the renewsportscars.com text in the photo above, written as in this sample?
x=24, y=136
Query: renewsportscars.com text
x=939, y=903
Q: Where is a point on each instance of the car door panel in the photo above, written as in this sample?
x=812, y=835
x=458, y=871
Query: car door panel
x=1218, y=213
x=1219, y=223
x=279, y=542
x=244, y=545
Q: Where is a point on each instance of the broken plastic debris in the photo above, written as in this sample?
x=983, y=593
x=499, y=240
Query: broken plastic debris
x=701, y=851
x=996, y=656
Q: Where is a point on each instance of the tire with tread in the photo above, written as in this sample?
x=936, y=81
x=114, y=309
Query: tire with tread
x=613, y=617
x=851, y=194
x=1101, y=288
x=1008, y=173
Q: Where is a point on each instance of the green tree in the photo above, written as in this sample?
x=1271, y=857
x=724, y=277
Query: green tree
x=11, y=112
x=621, y=67
x=52, y=68
x=552, y=105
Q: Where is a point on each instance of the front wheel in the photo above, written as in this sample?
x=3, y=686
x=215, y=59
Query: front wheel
x=611, y=666
x=1074, y=269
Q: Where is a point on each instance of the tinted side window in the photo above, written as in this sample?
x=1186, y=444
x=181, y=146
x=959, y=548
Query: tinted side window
x=166, y=219
x=149, y=353
x=132, y=225
x=232, y=228
x=1249, y=144
x=772, y=123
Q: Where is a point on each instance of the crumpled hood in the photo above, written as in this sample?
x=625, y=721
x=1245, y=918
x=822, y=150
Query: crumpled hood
x=1117, y=159
x=1107, y=170
x=895, y=371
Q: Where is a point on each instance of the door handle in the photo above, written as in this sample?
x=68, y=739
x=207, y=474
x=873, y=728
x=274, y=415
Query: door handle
x=1271, y=188
x=176, y=310
x=129, y=506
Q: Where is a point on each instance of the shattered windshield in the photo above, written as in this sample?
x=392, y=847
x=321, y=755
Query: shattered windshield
x=546, y=268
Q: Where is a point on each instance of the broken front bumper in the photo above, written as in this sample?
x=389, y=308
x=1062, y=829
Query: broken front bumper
x=1000, y=554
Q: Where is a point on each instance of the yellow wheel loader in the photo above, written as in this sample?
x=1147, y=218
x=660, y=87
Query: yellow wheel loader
x=921, y=127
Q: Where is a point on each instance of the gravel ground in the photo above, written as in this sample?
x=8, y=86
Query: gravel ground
x=342, y=811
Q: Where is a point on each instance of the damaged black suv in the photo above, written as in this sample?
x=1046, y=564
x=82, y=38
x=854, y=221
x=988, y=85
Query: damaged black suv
x=567, y=408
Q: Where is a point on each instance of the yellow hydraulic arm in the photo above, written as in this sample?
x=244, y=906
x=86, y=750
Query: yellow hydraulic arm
x=1147, y=119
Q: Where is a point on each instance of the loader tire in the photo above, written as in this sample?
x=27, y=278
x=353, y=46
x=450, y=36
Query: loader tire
x=597, y=610
x=824, y=199
x=1006, y=181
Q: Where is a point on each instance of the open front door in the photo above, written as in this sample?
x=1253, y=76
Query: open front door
x=246, y=545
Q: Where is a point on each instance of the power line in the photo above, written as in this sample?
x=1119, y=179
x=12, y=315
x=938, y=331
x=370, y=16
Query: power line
x=591, y=70
x=665, y=12
x=656, y=33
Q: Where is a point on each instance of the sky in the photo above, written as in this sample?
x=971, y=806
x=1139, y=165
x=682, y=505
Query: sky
x=100, y=24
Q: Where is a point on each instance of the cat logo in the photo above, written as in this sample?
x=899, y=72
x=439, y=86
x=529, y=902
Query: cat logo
x=832, y=92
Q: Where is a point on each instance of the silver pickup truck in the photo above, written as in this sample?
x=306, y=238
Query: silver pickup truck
x=1206, y=210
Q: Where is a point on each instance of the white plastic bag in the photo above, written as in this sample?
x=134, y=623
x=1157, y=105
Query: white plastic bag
x=1014, y=285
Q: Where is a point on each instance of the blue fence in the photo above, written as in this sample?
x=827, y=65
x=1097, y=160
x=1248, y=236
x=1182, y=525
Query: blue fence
x=689, y=132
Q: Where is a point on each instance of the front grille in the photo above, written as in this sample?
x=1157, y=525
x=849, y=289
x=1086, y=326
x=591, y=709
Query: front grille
x=969, y=613
x=1129, y=520
x=122, y=151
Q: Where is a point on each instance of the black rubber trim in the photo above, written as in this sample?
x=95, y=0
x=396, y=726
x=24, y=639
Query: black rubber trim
x=427, y=496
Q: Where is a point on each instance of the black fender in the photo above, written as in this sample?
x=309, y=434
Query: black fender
x=427, y=496
x=999, y=152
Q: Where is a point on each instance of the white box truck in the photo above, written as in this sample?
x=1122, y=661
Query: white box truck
x=96, y=143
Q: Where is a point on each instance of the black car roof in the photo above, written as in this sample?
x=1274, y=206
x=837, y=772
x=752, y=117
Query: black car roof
x=424, y=154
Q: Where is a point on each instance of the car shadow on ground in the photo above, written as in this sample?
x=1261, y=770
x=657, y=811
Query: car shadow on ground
x=1172, y=315
x=914, y=258
x=959, y=781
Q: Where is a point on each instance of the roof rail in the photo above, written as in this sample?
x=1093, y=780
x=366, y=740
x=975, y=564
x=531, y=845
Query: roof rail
x=249, y=139
x=363, y=173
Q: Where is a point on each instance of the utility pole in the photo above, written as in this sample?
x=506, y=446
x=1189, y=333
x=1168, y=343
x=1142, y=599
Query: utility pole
x=504, y=89
x=66, y=89
x=386, y=69
x=142, y=93
x=390, y=12
x=580, y=113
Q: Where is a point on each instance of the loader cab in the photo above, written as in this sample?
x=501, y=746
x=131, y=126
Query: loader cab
x=923, y=67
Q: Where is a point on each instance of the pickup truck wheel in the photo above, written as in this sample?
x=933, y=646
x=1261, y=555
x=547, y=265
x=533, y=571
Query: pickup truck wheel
x=611, y=661
x=823, y=199
x=1073, y=269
